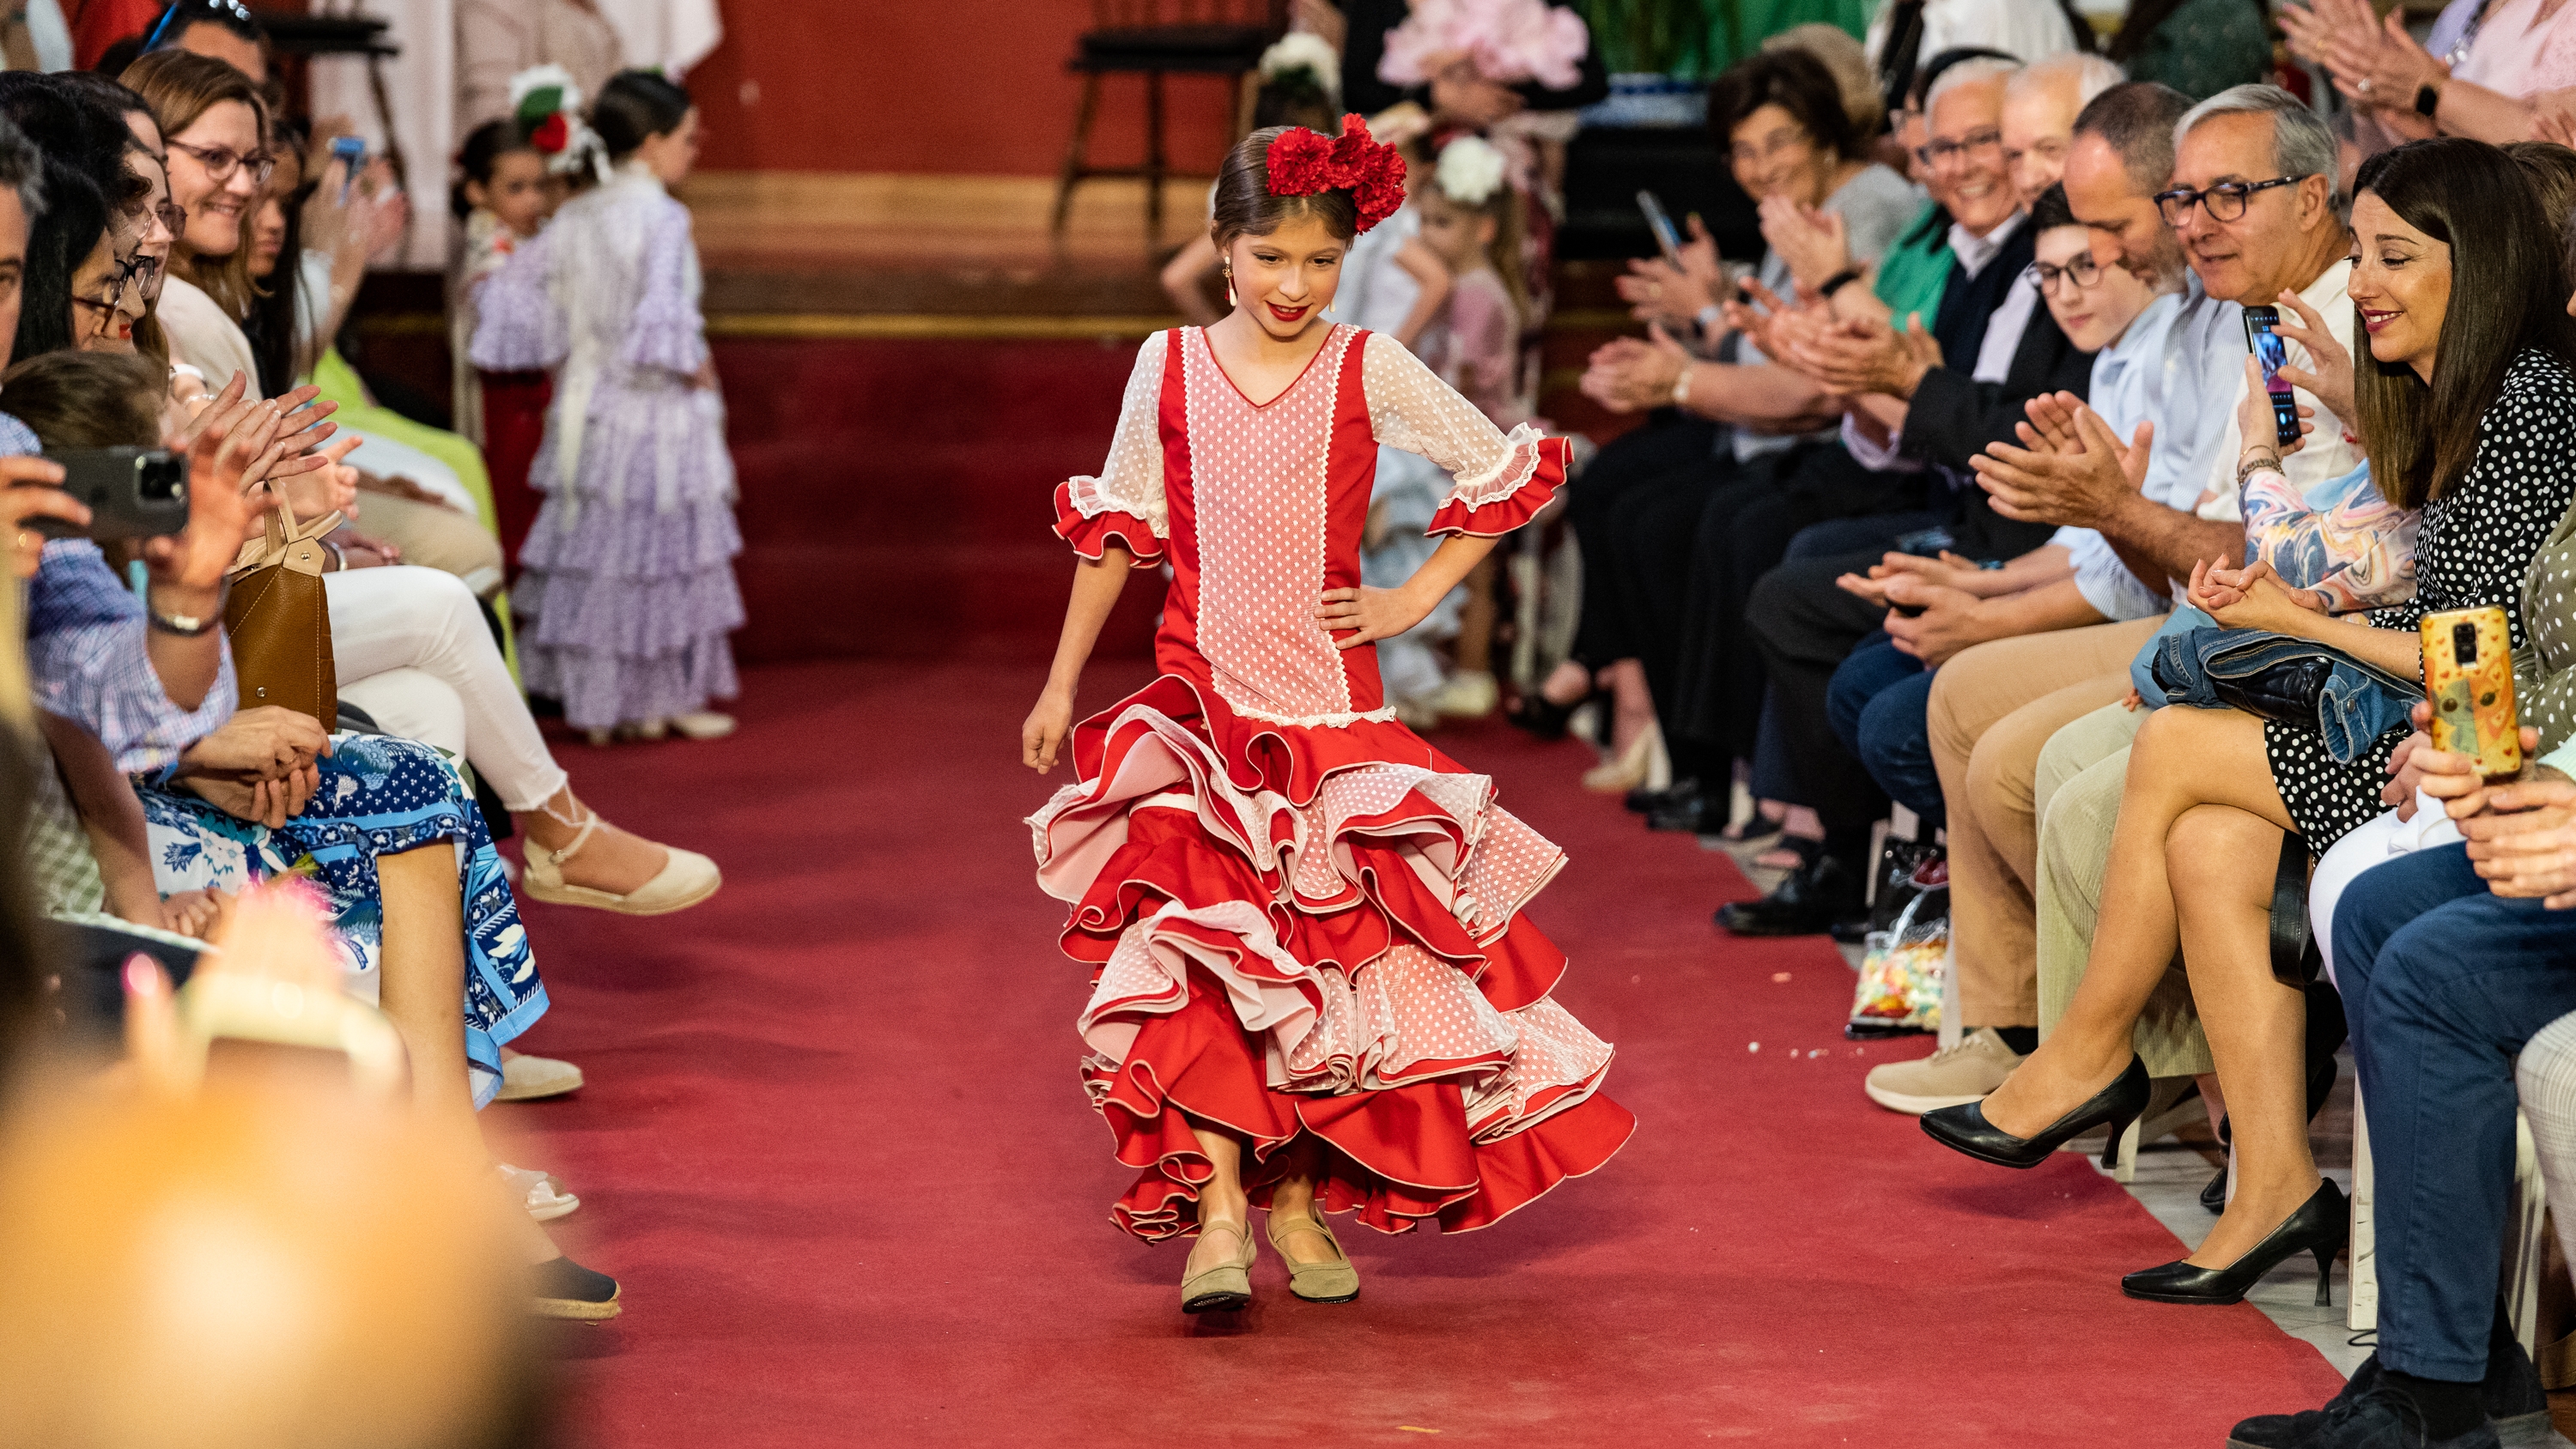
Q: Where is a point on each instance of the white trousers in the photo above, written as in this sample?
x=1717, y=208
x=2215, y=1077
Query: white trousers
x=2376, y=841
x=411, y=649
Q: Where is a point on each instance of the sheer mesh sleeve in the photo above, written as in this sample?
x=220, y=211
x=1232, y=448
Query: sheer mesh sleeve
x=1503, y=480
x=1125, y=501
x=667, y=331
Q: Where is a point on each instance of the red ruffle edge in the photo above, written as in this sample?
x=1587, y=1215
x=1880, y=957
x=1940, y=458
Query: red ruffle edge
x=1399, y=1155
x=1091, y=536
x=1503, y=515
x=1402, y=1153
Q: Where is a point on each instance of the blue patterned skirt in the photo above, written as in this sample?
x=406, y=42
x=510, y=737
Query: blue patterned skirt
x=379, y=796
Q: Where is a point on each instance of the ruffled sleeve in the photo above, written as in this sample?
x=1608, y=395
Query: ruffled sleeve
x=1124, y=502
x=1503, y=479
x=519, y=327
x=667, y=331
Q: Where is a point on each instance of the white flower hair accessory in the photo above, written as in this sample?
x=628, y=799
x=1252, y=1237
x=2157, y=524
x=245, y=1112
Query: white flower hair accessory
x=1304, y=50
x=1471, y=170
x=547, y=100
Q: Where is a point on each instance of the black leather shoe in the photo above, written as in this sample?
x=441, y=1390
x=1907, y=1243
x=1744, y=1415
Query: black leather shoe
x=2512, y=1393
x=2380, y=1416
x=1642, y=801
x=1964, y=1128
x=2214, y=1196
x=2319, y=1227
x=1534, y=712
x=1698, y=814
x=1808, y=903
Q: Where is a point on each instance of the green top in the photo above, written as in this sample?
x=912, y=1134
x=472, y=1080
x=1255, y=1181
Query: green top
x=1914, y=270
x=2204, y=47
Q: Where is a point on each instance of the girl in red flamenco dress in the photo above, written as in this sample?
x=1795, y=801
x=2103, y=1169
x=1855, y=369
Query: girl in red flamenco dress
x=1315, y=990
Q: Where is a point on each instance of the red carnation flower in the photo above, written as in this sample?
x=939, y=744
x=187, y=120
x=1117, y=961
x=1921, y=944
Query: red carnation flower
x=552, y=134
x=1299, y=163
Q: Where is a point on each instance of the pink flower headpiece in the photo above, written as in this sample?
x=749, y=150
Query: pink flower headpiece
x=1303, y=163
x=1508, y=41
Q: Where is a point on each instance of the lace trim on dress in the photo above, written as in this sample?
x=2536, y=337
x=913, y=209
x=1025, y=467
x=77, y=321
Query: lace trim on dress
x=1314, y=721
x=1510, y=473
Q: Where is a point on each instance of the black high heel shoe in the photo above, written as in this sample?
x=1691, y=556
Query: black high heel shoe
x=2320, y=1226
x=1964, y=1128
x=1542, y=716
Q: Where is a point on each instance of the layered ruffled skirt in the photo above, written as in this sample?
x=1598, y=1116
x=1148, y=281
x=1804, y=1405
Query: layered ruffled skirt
x=1316, y=930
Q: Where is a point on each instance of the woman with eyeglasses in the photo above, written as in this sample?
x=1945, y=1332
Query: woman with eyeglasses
x=214, y=128
x=2466, y=412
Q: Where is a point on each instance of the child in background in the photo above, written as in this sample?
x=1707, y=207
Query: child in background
x=628, y=570
x=501, y=197
x=1469, y=239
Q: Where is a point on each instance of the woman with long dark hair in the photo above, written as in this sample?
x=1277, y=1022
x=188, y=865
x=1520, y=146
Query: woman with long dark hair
x=2468, y=413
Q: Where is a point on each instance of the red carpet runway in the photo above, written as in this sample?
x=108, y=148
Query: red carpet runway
x=834, y=1147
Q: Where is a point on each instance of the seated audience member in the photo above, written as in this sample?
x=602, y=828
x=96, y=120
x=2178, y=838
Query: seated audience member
x=2468, y=414
x=1637, y=507
x=2502, y=82
x=1909, y=413
x=1994, y=707
x=234, y=797
x=1877, y=699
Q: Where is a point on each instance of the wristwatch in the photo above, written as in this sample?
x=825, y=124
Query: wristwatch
x=1681, y=387
x=2428, y=99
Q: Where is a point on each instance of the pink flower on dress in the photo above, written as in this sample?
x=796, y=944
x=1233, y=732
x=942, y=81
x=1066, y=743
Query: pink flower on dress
x=1506, y=40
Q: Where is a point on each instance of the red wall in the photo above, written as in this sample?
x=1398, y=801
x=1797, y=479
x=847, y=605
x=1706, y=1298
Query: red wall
x=929, y=86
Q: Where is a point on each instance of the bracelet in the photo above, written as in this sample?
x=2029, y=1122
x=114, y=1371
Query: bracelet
x=2256, y=460
x=1681, y=386
x=1837, y=282
x=186, y=626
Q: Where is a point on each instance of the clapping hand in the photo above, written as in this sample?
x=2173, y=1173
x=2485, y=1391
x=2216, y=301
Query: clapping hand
x=1655, y=287
x=1630, y=375
x=2076, y=471
x=1810, y=239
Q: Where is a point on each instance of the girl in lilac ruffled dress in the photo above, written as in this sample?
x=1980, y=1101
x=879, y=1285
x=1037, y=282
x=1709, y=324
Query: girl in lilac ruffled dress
x=628, y=571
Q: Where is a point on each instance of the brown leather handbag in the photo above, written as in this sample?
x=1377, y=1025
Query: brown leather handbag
x=280, y=622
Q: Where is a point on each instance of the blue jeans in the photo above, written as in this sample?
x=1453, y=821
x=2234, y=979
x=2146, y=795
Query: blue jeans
x=1876, y=706
x=2443, y=983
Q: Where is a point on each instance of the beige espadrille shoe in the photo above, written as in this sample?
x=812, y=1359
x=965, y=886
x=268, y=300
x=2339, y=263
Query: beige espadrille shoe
x=1336, y=1281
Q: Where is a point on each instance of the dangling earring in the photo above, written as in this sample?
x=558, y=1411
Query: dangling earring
x=1229, y=287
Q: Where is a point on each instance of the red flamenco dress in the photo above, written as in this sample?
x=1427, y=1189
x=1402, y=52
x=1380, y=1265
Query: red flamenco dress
x=1301, y=917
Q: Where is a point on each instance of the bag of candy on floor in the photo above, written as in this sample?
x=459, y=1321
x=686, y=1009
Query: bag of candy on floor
x=1899, y=992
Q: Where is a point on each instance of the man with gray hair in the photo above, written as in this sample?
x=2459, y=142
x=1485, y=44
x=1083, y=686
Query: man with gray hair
x=2041, y=102
x=2255, y=216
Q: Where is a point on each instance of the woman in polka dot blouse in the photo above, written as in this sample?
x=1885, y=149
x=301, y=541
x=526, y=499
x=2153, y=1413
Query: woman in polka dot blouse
x=1314, y=990
x=2467, y=408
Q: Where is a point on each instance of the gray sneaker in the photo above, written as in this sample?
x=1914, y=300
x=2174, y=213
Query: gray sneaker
x=1947, y=1078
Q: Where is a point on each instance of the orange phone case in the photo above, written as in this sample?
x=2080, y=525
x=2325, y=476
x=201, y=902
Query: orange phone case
x=2468, y=678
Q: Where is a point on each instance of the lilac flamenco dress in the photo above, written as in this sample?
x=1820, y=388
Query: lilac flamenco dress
x=628, y=571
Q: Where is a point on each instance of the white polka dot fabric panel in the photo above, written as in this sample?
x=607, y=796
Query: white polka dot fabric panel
x=1259, y=487
x=1131, y=480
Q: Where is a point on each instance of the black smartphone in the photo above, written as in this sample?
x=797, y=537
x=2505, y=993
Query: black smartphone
x=1667, y=237
x=131, y=492
x=2272, y=354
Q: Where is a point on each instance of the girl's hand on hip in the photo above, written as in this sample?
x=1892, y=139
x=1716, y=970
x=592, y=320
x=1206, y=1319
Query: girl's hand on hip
x=1369, y=614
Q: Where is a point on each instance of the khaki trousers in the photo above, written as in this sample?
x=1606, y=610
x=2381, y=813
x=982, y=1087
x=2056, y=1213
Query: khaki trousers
x=434, y=537
x=2080, y=776
x=1993, y=708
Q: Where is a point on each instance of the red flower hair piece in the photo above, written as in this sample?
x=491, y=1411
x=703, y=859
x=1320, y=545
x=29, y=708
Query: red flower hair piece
x=551, y=135
x=1304, y=163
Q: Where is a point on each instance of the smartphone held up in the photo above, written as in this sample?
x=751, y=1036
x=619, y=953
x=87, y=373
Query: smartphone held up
x=2468, y=680
x=130, y=492
x=2263, y=338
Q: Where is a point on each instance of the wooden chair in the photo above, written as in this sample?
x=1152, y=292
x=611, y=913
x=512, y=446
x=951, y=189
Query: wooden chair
x=1156, y=38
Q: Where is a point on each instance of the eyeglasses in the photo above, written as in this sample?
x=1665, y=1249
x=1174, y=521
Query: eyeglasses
x=1779, y=143
x=221, y=163
x=2083, y=272
x=1937, y=152
x=2224, y=202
